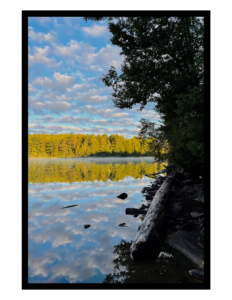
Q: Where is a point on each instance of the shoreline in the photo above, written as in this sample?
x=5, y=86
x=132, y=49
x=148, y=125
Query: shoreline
x=185, y=221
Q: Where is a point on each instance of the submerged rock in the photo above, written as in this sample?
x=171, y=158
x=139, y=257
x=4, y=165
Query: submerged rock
x=69, y=206
x=122, y=196
x=86, y=226
x=122, y=225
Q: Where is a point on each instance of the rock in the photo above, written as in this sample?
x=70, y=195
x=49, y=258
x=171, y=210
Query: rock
x=181, y=220
x=155, y=186
x=199, y=194
x=151, y=193
x=200, y=199
x=122, y=196
x=187, y=181
x=176, y=227
x=86, y=226
x=174, y=209
x=148, y=197
x=171, y=224
x=123, y=225
x=197, y=273
x=150, y=189
x=196, y=214
x=144, y=189
x=189, y=241
x=69, y=206
x=159, y=180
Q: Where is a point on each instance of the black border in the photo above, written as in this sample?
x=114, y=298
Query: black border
x=25, y=285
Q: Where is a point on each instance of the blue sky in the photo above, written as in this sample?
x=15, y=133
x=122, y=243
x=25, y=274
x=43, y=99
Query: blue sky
x=67, y=58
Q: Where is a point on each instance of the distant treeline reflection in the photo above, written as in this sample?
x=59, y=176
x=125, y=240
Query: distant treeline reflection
x=70, y=171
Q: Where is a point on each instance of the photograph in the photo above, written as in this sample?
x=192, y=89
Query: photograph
x=115, y=185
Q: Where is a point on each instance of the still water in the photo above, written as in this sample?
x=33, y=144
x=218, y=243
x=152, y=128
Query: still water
x=61, y=250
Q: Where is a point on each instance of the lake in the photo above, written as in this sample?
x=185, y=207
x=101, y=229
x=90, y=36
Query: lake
x=61, y=250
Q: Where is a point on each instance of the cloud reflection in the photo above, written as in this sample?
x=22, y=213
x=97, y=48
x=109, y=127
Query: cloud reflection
x=59, y=246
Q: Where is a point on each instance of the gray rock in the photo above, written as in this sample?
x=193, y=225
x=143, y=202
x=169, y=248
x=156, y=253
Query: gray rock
x=189, y=241
x=197, y=273
x=196, y=214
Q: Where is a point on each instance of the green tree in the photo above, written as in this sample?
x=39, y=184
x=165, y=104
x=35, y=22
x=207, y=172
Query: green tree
x=164, y=65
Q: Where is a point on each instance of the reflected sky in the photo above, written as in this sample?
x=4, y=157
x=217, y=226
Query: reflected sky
x=60, y=249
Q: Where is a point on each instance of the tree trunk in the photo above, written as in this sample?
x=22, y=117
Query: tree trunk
x=150, y=235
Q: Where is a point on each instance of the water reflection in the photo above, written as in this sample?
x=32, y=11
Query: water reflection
x=60, y=248
x=169, y=267
x=89, y=170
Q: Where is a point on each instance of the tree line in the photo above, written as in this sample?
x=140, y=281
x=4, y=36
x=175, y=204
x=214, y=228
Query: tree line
x=79, y=171
x=81, y=145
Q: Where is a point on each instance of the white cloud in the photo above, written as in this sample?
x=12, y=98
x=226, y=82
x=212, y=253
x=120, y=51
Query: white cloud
x=78, y=87
x=107, y=113
x=41, y=37
x=77, y=50
x=55, y=106
x=85, y=54
x=55, y=127
x=31, y=89
x=43, y=81
x=88, y=121
x=43, y=20
x=61, y=81
x=95, y=30
x=85, y=97
x=41, y=57
x=110, y=56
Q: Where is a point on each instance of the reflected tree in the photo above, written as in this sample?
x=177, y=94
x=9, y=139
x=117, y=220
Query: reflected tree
x=71, y=171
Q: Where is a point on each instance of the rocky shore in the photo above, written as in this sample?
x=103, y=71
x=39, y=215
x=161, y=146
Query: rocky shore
x=184, y=216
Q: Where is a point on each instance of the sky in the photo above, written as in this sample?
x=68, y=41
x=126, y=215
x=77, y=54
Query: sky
x=67, y=58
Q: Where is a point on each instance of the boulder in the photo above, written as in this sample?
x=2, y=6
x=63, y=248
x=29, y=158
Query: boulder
x=122, y=196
